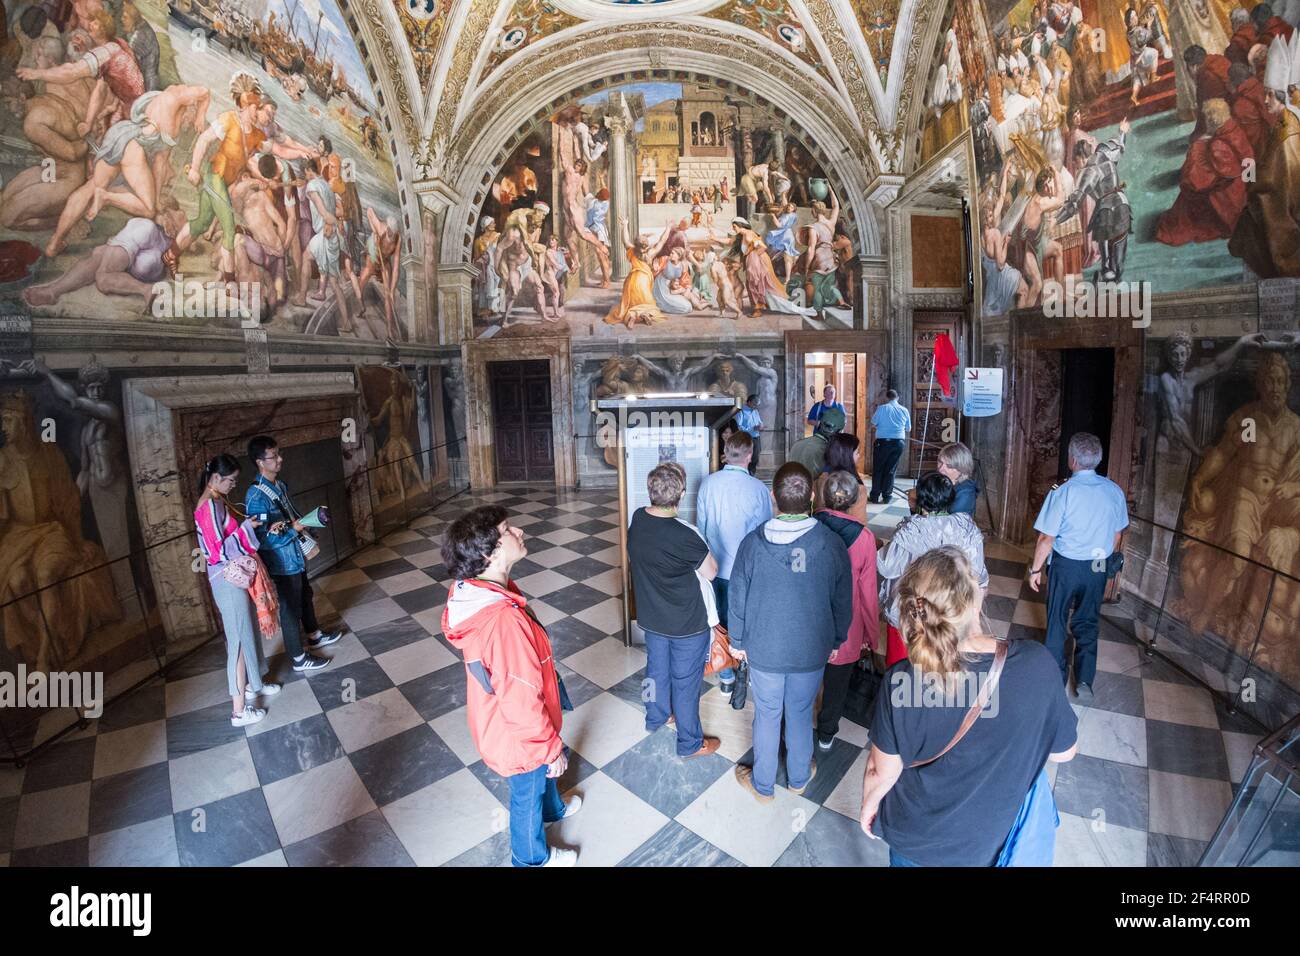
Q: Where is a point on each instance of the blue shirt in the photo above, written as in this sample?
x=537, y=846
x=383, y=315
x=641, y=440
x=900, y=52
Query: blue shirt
x=280, y=552
x=816, y=413
x=731, y=503
x=1084, y=515
x=891, y=420
x=748, y=420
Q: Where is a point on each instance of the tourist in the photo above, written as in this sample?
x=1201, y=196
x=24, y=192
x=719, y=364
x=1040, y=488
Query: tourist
x=841, y=491
x=1079, y=529
x=828, y=401
x=282, y=551
x=932, y=527
x=811, y=451
x=843, y=452
x=790, y=606
x=223, y=537
x=671, y=567
x=957, y=465
x=731, y=503
x=750, y=422
x=957, y=807
x=892, y=423
x=513, y=694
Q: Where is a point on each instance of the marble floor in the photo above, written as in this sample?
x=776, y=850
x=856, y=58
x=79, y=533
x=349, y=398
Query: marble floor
x=369, y=762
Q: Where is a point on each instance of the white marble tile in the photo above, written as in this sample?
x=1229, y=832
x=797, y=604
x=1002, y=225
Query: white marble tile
x=545, y=613
x=152, y=843
x=316, y=800
x=524, y=520
x=405, y=536
x=453, y=730
x=347, y=650
x=130, y=749
x=294, y=702
x=527, y=507
x=1084, y=842
x=612, y=555
x=415, y=660
x=846, y=798
x=1004, y=587
x=1031, y=614
x=603, y=728
x=441, y=821
x=1240, y=747
x=1185, y=806
x=274, y=858
x=375, y=555
x=1179, y=704
x=612, y=535
x=543, y=583
x=195, y=693
x=1112, y=736
x=211, y=775
x=756, y=834
x=341, y=580
x=372, y=613
x=610, y=582
x=853, y=733
x=548, y=557
x=52, y=816
x=612, y=823
x=372, y=719
x=408, y=581
x=607, y=616
x=1117, y=658
x=733, y=728
x=127, y=677
x=425, y=559
x=1000, y=628
x=607, y=662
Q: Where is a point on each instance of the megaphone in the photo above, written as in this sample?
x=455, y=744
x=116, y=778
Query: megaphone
x=318, y=518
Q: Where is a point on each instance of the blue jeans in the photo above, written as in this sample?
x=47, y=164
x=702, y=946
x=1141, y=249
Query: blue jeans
x=674, y=669
x=726, y=675
x=534, y=801
x=897, y=859
x=791, y=696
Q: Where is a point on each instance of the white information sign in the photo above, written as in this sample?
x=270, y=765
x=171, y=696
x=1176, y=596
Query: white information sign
x=981, y=392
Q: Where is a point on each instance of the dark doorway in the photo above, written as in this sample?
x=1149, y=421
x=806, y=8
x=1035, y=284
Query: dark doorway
x=1087, y=400
x=521, y=416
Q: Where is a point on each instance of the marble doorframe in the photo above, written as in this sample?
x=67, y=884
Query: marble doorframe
x=873, y=342
x=478, y=403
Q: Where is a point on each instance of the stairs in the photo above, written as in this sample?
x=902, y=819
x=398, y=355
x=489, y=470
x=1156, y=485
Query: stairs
x=1114, y=104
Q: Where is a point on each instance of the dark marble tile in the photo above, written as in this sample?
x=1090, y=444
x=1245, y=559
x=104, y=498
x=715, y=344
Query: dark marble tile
x=832, y=765
x=391, y=635
x=67, y=762
x=293, y=748
x=674, y=845
x=437, y=693
x=8, y=820
x=128, y=798
x=579, y=770
x=575, y=598
x=350, y=683
x=1086, y=784
x=1165, y=850
x=589, y=546
x=1000, y=608
x=365, y=841
x=389, y=569
x=349, y=598
x=206, y=657
x=653, y=771
x=832, y=839
x=1029, y=594
x=593, y=526
x=633, y=690
x=1240, y=722
x=1156, y=667
x=200, y=729
x=569, y=635
x=547, y=513
x=68, y=853
x=1024, y=632
x=404, y=763
x=412, y=547
x=582, y=569
x=580, y=689
x=497, y=784
x=143, y=705
x=421, y=599
x=1004, y=568
x=523, y=567
x=233, y=830
x=533, y=533
x=1119, y=693
x=494, y=851
x=1194, y=751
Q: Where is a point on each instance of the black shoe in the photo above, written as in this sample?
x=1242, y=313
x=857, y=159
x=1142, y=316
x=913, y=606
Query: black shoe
x=309, y=662
x=326, y=638
x=1084, y=693
x=825, y=743
x=726, y=687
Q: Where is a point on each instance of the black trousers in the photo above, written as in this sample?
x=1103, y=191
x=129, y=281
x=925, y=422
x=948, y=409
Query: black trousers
x=1074, y=586
x=297, y=610
x=753, y=461
x=835, y=689
x=885, y=455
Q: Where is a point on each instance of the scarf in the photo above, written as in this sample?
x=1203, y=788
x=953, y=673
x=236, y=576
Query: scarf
x=265, y=601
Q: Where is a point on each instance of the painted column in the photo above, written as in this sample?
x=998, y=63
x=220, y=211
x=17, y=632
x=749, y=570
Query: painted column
x=622, y=187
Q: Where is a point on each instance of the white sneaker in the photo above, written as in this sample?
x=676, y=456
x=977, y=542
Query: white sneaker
x=251, y=715
x=571, y=806
x=560, y=857
x=269, y=689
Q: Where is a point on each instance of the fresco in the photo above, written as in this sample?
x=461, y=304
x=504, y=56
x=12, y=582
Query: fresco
x=651, y=207
x=194, y=162
x=956, y=64
x=1143, y=140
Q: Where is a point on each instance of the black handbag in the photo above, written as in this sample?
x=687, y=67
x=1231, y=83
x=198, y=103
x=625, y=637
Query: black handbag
x=740, y=692
x=1114, y=564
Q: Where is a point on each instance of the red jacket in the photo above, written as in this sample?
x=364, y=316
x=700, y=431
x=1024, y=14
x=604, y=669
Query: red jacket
x=513, y=703
x=865, y=628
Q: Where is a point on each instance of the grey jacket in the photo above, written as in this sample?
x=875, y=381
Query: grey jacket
x=916, y=535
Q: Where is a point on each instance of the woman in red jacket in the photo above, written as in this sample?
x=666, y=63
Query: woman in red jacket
x=514, y=693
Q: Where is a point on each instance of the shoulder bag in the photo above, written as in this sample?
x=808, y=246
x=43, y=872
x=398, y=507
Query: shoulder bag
x=981, y=701
x=306, y=543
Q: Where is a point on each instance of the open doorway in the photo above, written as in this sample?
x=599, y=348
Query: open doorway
x=847, y=373
x=1087, y=399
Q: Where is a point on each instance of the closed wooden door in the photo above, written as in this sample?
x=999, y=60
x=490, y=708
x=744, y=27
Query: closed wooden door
x=932, y=411
x=521, y=417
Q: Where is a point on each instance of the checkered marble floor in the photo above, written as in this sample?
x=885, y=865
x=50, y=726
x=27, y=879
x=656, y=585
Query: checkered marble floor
x=369, y=762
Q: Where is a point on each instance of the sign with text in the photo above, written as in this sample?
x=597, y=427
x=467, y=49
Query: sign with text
x=981, y=392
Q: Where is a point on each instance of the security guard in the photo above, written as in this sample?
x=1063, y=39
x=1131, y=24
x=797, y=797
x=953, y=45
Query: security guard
x=892, y=423
x=1079, y=527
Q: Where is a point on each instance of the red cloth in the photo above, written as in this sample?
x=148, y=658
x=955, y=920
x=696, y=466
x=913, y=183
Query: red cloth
x=1250, y=112
x=1212, y=193
x=1238, y=50
x=1275, y=27
x=1211, y=84
x=865, y=625
x=895, y=649
x=945, y=361
x=513, y=697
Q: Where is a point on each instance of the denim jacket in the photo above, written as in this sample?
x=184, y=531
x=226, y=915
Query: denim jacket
x=280, y=552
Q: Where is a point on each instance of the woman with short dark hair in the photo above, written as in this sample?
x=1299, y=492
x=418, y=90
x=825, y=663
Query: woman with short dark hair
x=843, y=452
x=513, y=701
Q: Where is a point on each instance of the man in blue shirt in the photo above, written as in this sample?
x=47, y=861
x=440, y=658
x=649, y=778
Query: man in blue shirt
x=828, y=401
x=892, y=423
x=278, y=548
x=1079, y=527
x=730, y=504
x=749, y=422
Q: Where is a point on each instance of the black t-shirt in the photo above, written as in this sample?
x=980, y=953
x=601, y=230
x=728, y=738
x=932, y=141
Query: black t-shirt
x=959, y=810
x=664, y=554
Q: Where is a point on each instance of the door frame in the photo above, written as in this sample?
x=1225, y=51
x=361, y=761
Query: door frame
x=873, y=342
x=478, y=403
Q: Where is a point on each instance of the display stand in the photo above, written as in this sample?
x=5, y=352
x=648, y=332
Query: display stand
x=651, y=430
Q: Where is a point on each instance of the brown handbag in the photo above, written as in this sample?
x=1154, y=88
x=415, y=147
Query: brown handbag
x=981, y=701
x=719, y=652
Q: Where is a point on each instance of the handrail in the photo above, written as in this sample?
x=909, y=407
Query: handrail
x=1217, y=547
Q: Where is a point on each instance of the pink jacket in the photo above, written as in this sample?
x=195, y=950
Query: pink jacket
x=866, y=601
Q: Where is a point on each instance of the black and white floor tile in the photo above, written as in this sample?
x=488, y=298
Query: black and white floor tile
x=370, y=762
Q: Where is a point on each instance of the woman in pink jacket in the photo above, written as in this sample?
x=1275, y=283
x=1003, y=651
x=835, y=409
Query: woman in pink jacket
x=840, y=491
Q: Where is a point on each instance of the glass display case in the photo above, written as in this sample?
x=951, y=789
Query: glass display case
x=1262, y=826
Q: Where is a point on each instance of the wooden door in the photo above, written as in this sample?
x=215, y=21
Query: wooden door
x=928, y=424
x=522, y=431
